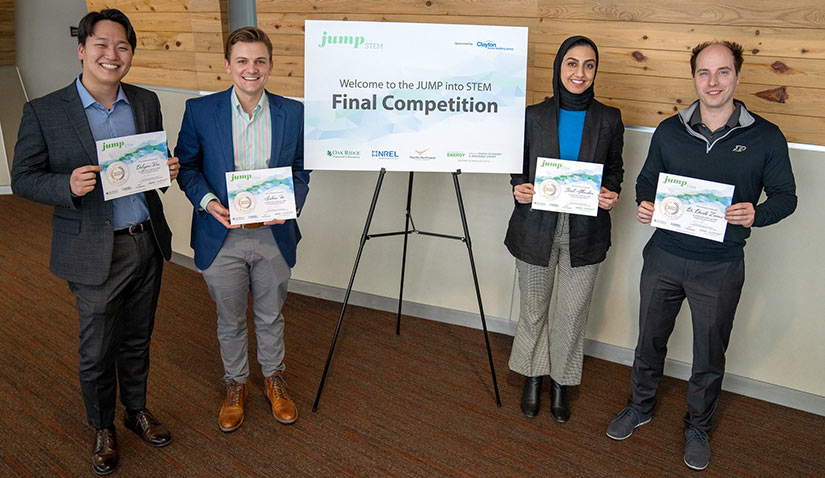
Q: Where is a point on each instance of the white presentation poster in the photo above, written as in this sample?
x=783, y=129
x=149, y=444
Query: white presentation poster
x=414, y=96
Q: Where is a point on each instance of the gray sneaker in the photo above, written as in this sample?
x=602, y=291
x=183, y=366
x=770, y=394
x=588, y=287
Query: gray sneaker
x=625, y=422
x=697, y=449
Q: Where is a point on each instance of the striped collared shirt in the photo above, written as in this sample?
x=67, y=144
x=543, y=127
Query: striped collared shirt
x=251, y=138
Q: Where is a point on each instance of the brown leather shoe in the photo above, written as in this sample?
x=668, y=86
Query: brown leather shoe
x=104, y=454
x=148, y=428
x=283, y=408
x=231, y=415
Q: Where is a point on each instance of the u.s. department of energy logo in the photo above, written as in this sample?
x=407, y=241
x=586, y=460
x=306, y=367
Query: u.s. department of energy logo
x=672, y=207
x=117, y=173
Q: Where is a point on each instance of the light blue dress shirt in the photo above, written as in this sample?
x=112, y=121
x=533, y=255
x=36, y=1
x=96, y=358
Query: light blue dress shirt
x=107, y=124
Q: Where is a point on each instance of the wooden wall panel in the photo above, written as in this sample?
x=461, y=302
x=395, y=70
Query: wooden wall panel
x=645, y=46
x=8, y=46
x=172, y=35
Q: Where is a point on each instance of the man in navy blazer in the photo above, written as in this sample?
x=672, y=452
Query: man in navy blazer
x=110, y=252
x=244, y=128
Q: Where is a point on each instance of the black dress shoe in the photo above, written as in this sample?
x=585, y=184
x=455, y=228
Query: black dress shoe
x=530, y=397
x=104, y=454
x=559, y=407
x=148, y=428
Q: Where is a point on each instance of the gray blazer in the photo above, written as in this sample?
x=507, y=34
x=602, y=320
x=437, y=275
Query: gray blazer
x=54, y=139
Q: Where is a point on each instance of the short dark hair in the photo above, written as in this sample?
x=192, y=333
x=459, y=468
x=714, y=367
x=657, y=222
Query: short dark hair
x=735, y=50
x=247, y=35
x=86, y=27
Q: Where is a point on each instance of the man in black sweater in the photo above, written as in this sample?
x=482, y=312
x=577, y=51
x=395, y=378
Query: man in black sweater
x=715, y=139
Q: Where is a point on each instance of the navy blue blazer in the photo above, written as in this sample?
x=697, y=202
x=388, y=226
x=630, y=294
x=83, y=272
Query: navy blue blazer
x=206, y=155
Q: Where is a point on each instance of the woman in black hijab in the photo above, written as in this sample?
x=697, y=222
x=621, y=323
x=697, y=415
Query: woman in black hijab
x=571, y=125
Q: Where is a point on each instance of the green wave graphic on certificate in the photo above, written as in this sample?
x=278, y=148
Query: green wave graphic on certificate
x=692, y=206
x=260, y=195
x=133, y=164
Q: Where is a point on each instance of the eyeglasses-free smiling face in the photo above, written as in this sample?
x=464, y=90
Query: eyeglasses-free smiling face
x=106, y=55
x=715, y=78
x=250, y=66
x=578, y=69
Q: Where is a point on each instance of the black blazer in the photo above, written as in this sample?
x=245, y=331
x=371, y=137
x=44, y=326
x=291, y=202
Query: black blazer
x=54, y=139
x=530, y=233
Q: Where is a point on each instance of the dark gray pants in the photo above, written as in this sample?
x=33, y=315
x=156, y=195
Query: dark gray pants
x=116, y=321
x=712, y=290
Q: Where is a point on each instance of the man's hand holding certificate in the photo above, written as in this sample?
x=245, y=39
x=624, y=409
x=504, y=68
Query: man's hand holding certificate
x=692, y=206
x=567, y=186
x=260, y=195
x=133, y=164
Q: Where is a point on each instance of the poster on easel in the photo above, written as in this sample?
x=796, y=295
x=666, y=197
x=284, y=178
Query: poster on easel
x=414, y=97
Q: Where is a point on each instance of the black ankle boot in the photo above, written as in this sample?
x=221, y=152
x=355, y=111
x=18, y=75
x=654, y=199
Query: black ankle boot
x=530, y=398
x=559, y=407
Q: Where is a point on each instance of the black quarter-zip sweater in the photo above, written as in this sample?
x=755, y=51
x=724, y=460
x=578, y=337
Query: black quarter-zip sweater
x=752, y=156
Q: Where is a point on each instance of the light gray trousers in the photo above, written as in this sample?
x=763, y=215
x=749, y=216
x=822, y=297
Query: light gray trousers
x=249, y=260
x=553, y=344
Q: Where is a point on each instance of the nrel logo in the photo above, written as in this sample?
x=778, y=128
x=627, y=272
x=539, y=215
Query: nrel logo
x=486, y=44
x=355, y=41
x=384, y=154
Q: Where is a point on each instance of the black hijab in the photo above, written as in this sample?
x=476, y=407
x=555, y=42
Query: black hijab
x=565, y=99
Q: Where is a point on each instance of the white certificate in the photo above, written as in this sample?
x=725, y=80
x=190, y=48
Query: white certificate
x=133, y=164
x=692, y=206
x=260, y=195
x=567, y=186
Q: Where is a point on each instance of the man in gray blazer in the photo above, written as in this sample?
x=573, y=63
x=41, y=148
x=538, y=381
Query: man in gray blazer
x=110, y=252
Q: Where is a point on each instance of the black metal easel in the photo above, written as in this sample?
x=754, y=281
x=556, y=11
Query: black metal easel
x=406, y=232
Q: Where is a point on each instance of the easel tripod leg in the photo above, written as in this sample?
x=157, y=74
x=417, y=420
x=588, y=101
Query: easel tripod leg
x=404, y=254
x=349, y=286
x=475, y=282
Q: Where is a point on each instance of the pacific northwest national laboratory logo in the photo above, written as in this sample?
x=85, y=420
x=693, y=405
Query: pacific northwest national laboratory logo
x=344, y=154
x=350, y=41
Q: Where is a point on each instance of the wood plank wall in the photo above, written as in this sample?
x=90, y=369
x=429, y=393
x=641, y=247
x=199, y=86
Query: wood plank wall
x=7, y=41
x=644, y=46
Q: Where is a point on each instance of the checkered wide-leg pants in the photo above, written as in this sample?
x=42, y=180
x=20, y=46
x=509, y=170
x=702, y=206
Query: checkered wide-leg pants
x=553, y=344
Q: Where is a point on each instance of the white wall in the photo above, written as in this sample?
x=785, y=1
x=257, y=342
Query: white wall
x=46, y=54
x=778, y=332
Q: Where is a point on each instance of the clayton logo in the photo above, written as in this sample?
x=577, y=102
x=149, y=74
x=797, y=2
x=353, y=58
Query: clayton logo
x=355, y=41
x=486, y=44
